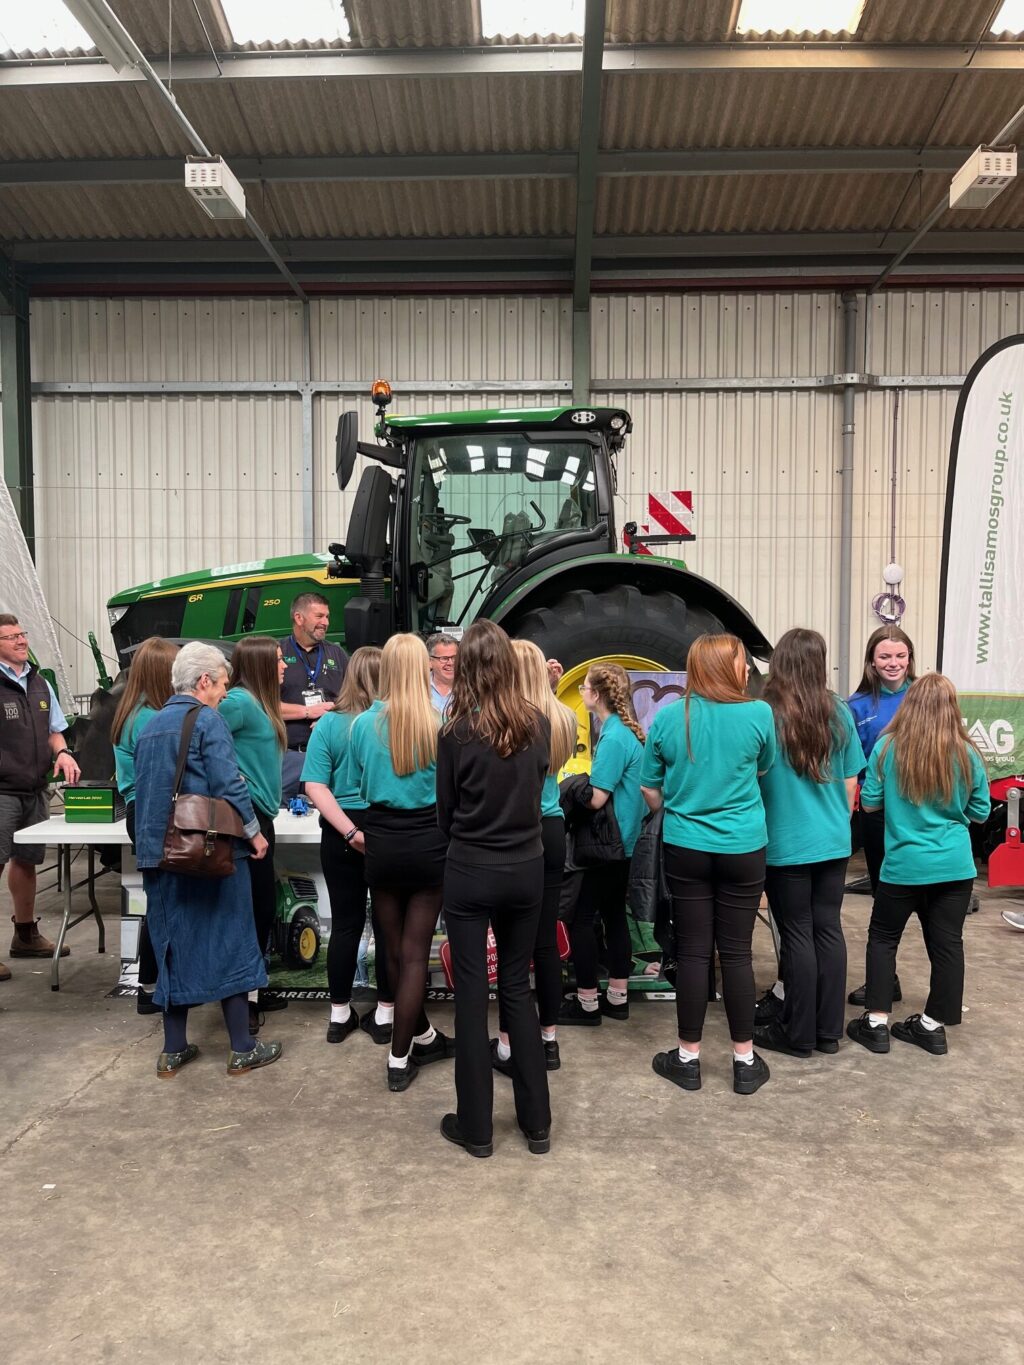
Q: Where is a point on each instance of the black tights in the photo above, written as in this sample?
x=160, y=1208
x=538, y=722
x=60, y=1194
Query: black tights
x=236, y=1019
x=407, y=919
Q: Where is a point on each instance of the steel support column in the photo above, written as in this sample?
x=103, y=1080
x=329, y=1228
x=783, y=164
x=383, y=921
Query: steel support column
x=586, y=191
x=16, y=399
x=846, y=494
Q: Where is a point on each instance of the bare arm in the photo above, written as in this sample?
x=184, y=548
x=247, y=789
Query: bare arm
x=653, y=797
x=598, y=798
x=327, y=804
x=64, y=765
x=293, y=710
x=851, y=792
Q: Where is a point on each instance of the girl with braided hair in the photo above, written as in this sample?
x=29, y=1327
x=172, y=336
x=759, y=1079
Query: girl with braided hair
x=615, y=776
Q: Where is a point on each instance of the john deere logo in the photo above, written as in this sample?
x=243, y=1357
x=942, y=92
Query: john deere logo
x=44, y=705
x=332, y=663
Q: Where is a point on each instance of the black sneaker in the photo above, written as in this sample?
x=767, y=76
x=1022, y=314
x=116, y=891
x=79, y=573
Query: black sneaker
x=271, y=1003
x=145, y=1004
x=538, y=1140
x=380, y=1033
x=913, y=1031
x=749, y=1076
x=337, y=1033
x=859, y=996
x=769, y=1007
x=256, y=1019
x=572, y=1012
x=439, y=1047
x=684, y=1074
x=773, y=1037
x=828, y=1045
x=450, y=1129
x=874, y=1039
x=551, y=1058
x=401, y=1077
x=500, y=1064
x=612, y=1011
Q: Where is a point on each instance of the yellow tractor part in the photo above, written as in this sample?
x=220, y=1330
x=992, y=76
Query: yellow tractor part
x=568, y=692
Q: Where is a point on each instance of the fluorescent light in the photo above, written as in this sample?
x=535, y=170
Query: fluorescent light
x=45, y=26
x=270, y=21
x=1010, y=18
x=107, y=32
x=506, y=18
x=799, y=16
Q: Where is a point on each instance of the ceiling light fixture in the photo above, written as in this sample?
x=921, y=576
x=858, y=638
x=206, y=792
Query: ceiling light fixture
x=215, y=188
x=107, y=32
x=983, y=177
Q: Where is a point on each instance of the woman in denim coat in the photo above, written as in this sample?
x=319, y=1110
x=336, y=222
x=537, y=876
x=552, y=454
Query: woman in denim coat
x=201, y=927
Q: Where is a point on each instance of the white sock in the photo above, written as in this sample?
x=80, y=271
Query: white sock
x=384, y=1014
x=589, y=1003
x=504, y=1051
x=548, y=1035
x=685, y=1056
x=878, y=1020
x=253, y=997
x=400, y=1062
x=146, y=990
x=747, y=1058
x=340, y=1014
x=424, y=1038
x=930, y=1024
x=617, y=997
x=779, y=991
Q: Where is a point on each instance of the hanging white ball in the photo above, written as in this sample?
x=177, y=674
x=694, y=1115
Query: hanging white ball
x=893, y=575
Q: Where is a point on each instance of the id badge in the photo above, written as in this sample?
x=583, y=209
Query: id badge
x=313, y=696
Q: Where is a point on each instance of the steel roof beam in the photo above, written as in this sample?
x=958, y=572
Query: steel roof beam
x=562, y=59
x=586, y=197
x=510, y=166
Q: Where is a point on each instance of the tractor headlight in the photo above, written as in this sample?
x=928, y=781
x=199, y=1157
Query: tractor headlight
x=114, y=615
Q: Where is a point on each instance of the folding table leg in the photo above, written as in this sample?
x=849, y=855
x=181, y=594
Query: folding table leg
x=64, y=859
x=102, y=947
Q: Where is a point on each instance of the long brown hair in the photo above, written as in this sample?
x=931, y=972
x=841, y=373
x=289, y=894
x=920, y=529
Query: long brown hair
x=254, y=667
x=362, y=681
x=405, y=691
x=931, y=748
x=535, y=685
x=797, y=690
x=485, y=692
x=149, y=682
x=611, y=683
x=870, y=682
x=713, y=671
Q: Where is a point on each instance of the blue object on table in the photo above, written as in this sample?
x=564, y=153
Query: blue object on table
x=298, y=805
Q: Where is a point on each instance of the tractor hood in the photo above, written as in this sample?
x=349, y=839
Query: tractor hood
x=228, y=575
x=615, y=422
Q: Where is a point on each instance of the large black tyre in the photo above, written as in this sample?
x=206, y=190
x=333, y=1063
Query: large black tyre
x=303, y=943
x=584, y=625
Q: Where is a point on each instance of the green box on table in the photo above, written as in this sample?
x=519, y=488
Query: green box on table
x=93, y=803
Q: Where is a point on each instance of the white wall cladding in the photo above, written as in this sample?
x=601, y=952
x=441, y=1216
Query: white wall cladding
x=132, y=488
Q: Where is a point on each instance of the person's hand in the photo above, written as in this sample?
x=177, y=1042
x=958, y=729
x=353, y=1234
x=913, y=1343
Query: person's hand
x=555, y=671
x=319, y=709
x=358, y=842
x=66, y=767
x=259, y=846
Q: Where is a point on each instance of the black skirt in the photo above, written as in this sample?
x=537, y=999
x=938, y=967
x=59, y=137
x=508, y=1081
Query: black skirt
x=404, y=848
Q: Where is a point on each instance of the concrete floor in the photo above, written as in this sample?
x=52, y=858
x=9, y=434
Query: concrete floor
x=858, y=1208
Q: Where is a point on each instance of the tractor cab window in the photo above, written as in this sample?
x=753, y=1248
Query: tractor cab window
x=481, y=503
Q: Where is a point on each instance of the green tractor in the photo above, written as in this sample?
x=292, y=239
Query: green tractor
x=506, y=514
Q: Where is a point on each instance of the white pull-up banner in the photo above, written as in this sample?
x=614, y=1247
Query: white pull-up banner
x=981, y=625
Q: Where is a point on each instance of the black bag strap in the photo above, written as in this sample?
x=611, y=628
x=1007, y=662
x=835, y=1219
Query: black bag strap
x=186, y=739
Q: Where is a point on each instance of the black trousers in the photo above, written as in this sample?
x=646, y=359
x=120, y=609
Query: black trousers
x=806, y=901
x=942, y=909
x=345, y=874
x=872, y=839
x=602, y=892
x=509, y=897
x=264, y=885
x=714, y=904
x=547, y=965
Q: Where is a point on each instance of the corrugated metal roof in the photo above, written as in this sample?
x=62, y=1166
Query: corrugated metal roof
x=38, y=123
x=414, y=23
x=146, y=21
x=926, y=21
x=654, y=21
x=111, y=212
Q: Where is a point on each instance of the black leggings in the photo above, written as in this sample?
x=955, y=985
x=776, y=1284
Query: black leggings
x=603, y=892
x=264, y=885
x=148, y=969
x=407, y=918
x=714, y=904
x=547, y=965
x=942, y=909
x=806, y=901
x=872, y=840
x=345, y=874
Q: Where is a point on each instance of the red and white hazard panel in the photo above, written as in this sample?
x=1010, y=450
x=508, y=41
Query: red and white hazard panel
x=669, y=512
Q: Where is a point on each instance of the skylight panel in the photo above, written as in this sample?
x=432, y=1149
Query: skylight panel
x=43, y=26
x=1010, y=18
x=506, y=18
x=799, y=16
x=270, y=21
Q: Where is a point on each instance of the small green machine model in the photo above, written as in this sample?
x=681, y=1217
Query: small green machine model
x=506, y=514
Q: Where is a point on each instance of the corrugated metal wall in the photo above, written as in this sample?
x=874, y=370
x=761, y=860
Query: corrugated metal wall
x=135, y=487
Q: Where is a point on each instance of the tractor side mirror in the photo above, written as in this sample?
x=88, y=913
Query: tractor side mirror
x=345, y=446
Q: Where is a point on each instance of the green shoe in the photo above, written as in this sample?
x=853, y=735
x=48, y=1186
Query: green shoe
x=170, y=1063
x=261, y=1054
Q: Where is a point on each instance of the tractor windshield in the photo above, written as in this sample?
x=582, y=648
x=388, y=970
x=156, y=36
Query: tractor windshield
x=481, y=503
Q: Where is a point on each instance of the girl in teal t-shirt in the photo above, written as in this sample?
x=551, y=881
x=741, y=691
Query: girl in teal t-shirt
x=615, y=777
x=701, y=764
x=808, y=795
x=931, y=781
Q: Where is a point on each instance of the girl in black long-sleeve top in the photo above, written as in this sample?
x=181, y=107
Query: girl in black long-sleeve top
x=492, y=758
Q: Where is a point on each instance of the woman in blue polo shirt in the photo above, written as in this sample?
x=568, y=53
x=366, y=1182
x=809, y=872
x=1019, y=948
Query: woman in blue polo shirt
x=929, y=779
x=341, y=851
x=702, y=762
x=615, y=777
x=808, y=795
x=391, y=765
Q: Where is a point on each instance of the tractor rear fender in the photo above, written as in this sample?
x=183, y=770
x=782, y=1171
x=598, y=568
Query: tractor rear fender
x=507, y=603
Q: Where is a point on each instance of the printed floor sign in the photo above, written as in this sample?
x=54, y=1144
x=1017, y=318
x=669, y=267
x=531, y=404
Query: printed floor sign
x=981, y=640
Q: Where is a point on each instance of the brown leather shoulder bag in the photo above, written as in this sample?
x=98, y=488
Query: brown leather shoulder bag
x=198, y=842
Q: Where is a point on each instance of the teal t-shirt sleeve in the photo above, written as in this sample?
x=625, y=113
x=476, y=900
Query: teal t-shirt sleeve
x=769, y=745
x=319, y=762
x=652, y=769
x=609, y=763
x=231, y=711
x=852, y=755
x=979, y=803
x=872, y=793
